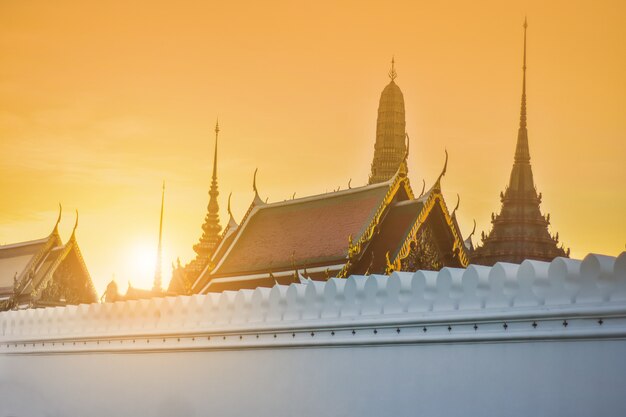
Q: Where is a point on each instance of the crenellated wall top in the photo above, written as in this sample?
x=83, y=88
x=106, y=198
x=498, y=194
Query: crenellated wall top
x=498, y=296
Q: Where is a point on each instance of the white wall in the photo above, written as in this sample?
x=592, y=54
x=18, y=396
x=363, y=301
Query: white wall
x=532, y=340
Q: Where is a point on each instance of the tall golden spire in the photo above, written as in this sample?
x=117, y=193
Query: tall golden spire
x=157, y=270
x=390, y=146
x=211, y=227
x=522, y=154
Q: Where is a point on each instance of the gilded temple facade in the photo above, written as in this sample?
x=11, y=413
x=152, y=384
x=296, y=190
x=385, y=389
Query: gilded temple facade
x=44, y=273
x=520, y=230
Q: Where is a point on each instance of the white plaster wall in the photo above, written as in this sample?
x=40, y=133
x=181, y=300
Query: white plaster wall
x=544, y=378
x=536, y=339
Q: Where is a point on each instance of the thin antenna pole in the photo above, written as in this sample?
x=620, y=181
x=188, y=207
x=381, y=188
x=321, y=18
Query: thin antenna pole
x=157, y=272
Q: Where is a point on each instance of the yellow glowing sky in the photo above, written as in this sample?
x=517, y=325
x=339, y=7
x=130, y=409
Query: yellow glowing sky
x=101, y=101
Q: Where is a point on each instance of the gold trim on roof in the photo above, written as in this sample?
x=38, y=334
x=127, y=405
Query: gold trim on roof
x=355, y=249
x=435, y=197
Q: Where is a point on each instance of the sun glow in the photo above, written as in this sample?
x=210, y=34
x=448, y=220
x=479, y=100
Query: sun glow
x=141, y=263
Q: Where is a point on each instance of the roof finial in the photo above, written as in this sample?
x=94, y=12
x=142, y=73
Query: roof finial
x=458, y=202
x=408, y=142
x=392, y=72
x=423, y=188
x=254, y=182
x=230, y=213
x=445, y=168
x=56, y=225
x=157, y=270
x=75, y=226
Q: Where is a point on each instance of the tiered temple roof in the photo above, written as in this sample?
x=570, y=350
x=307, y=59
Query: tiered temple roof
x=44, y=272
x=520, y=231
x=369, y=229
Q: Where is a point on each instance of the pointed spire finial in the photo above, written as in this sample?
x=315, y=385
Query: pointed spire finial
x=217, y=131
x=392, y=73
x=522, y=153
x=522, y=122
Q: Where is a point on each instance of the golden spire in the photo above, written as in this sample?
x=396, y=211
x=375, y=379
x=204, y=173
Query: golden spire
x=392, y=71
x=217, y=131
x=157, y=270
x=211, y=227
x=522, y=154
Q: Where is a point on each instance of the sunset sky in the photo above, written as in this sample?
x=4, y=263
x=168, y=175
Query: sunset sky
x=102, y=101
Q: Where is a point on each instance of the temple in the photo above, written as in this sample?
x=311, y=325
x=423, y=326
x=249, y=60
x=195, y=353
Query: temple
x=373, y=229
x=44, y=272
x=520, y=231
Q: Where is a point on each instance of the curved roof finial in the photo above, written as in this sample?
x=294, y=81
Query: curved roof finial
x=408, y=142
x=254, y=182
x=56, y=225
x=257, y=199
x=458, y=201
x=75, y=226
x=445, y=168
x=230, y=213
x=349, y=182
x=392, y=72
x=423, y=188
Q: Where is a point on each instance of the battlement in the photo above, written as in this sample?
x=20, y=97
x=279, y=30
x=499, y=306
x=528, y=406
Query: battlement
x=564, y=298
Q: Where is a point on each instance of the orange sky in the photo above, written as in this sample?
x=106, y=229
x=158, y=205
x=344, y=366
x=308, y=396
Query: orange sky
x=100, y=102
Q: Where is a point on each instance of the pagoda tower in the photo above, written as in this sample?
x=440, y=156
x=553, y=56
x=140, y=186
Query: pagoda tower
x=390, y=147
x=211, y=228
x=520, y=231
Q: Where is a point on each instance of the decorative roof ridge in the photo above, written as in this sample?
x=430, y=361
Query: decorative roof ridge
x=332, y=194
x=25, y=243
x=356, y=248
x=406, y=202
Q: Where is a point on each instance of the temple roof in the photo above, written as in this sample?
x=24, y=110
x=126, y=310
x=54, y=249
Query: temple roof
x=28, y=268
x=393, y=232
x=306, y=231
x=14, y=258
